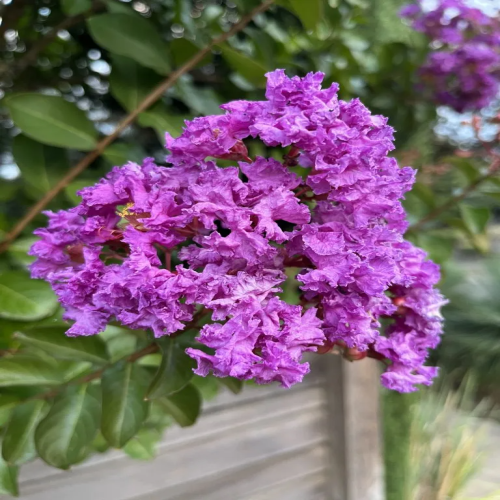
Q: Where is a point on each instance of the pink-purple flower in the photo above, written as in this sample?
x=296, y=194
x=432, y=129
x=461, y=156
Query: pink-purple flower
x=463, y=69
x=155, y=247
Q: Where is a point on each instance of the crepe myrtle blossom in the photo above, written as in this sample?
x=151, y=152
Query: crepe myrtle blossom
x=463, y=70
x=152, y=247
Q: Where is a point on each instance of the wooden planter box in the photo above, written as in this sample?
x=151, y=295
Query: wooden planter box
x=317, y=441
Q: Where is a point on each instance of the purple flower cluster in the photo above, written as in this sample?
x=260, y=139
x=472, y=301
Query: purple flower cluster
x=464, y=72
x=154, y=247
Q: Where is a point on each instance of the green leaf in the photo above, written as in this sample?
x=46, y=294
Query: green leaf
x=64, y=437
x=175, y=371
x=71, y=189
x=18, y=250
x=440, y=248
x=466, y=166
x=116, y=7
x=184, y=406
x=41, y=166
x=208, y=386
x=7, y=403
x=233, y=384
x=52, y=120
x=121, y=153
x=130, y=82
x=73, y=369
x=18, y=445
x=386, y=25
x=247, y=67
x=8, y=479
x=119, y=341
x=75, y=7
x=123, y=406
x=202, y=100
x=475, y=219
x=143, y=445
x=100, y=444
x=309, y=12
x=54, y=341
x=131, y=36
x=22, y=298
x=28, y=370
x=183, y=49
x=162, y=122
x=8, y=192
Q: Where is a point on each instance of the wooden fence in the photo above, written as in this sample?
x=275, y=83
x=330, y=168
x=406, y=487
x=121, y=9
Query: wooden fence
x=317, y=441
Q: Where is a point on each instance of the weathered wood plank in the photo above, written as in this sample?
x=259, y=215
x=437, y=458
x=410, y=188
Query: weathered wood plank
x=244, y=414
x=302, y=487
x=356, y=460
x=211, y=453
x=269, y=474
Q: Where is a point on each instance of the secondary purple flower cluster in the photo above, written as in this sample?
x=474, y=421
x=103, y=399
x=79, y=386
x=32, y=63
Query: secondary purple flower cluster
x=464, y=72
x=231, y=232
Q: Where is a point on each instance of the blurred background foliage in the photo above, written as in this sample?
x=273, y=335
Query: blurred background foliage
x=70, y=70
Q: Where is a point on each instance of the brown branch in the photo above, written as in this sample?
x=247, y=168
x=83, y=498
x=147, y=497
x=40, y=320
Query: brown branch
x=106, y=141
x=149, y=349
x=456, y=199
x=131, y=358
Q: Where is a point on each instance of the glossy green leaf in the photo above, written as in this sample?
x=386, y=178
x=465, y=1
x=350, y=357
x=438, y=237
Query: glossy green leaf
x=466, y=166
x=73, y=370
x=120, y=342
x=247, y=67
x=476, y=219
x=7, y=404
x=19, y=250
x=130, y=82
x=123, y=406
x=29, y=370
x=208, y=386
x=184, y=406
x=183, y=49
x=309, y=12
x=64, y=437
x=121, y=153
x=440, y=248
x=143, y=445
x=74, y=7
x=117, y=7
x=100, y=444
x=201, y=100
x=131, y=36
x=419, y=201
x=387, y=26
x=18, y=444
x=8, y=479
x=233, y=384
x=54, y=341
x=162, y=122
x=41, y=166
x=71, y=189
x=52, y=120
x=175, y=371
x=22, y=298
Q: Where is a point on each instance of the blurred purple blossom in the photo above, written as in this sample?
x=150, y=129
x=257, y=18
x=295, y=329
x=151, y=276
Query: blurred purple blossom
x=464, y=72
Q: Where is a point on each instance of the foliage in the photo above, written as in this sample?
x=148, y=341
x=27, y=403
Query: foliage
x=472, y=340
x=397, y=423
x=444, y=443
x=79, y=85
